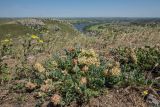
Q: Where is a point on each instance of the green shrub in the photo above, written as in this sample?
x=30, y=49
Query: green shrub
x=76, y=75
x=6, y=47
x=148, y=58
x=77, y=81
x=4, y=73
x=135, y=63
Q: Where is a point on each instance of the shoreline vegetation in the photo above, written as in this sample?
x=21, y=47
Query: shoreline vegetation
x=83, y=62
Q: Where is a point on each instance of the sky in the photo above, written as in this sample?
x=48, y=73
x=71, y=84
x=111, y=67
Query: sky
x=79, y=8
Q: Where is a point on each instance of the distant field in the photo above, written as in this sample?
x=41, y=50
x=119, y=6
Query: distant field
x=11, y=27
x=118, y=34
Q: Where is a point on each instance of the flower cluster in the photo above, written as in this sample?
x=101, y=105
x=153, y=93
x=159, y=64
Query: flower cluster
x=75, y=76
x=37, y=38
x=132, y=55
x=113, y=69
x=88, y=57
x=145, y=92
x=39, y=67
x=6, y=41
x=34, y=37
x=40, y=41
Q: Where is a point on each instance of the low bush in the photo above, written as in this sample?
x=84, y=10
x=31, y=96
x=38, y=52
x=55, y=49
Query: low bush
x=77, y=76
x=139, y=66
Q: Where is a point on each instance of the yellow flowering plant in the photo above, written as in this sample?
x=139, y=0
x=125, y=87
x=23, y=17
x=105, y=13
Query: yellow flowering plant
x=34, y=37
x=6, y=40
x=39, y=67
x=112, y=73
x=136, y=62
x=77, y=77
x=74, y=77
x=88, y=57
x=112, y=69
x=145, y=92
x=6, y=46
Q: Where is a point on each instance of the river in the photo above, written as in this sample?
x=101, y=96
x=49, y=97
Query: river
x=81, y=26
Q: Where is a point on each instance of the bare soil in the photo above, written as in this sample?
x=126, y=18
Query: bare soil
x=112, y=98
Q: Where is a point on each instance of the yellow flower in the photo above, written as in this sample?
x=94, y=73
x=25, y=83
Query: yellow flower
x=116, y=71
x=6, y=40
x=89, y=52
x=34, y=37
x=39, y=67
x=132, y=55
x=40, y=41
x=145, y=92
x=88, y=57
x=133, y=58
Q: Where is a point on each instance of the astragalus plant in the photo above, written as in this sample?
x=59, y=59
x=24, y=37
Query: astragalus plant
x=76, y=75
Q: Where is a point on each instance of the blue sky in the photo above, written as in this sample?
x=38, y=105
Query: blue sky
x=80, y=8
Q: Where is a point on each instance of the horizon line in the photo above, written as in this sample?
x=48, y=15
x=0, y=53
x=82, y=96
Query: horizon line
x=76, y=17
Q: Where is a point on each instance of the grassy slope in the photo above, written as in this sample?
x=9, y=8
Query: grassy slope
x=65, y=36
x=13, y=30
x=126, y=35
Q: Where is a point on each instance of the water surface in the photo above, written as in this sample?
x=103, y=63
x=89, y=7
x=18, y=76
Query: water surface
x=81, y=26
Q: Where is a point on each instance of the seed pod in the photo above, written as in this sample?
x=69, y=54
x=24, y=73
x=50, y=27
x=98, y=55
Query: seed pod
x=75, y=69
x=30, y=86
x=106, y=73
x=71, y=49
x=85, y=68
x=83, y=81
x=75, y=61
x=65, y=72
x=44, y=88
x=56, y=99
